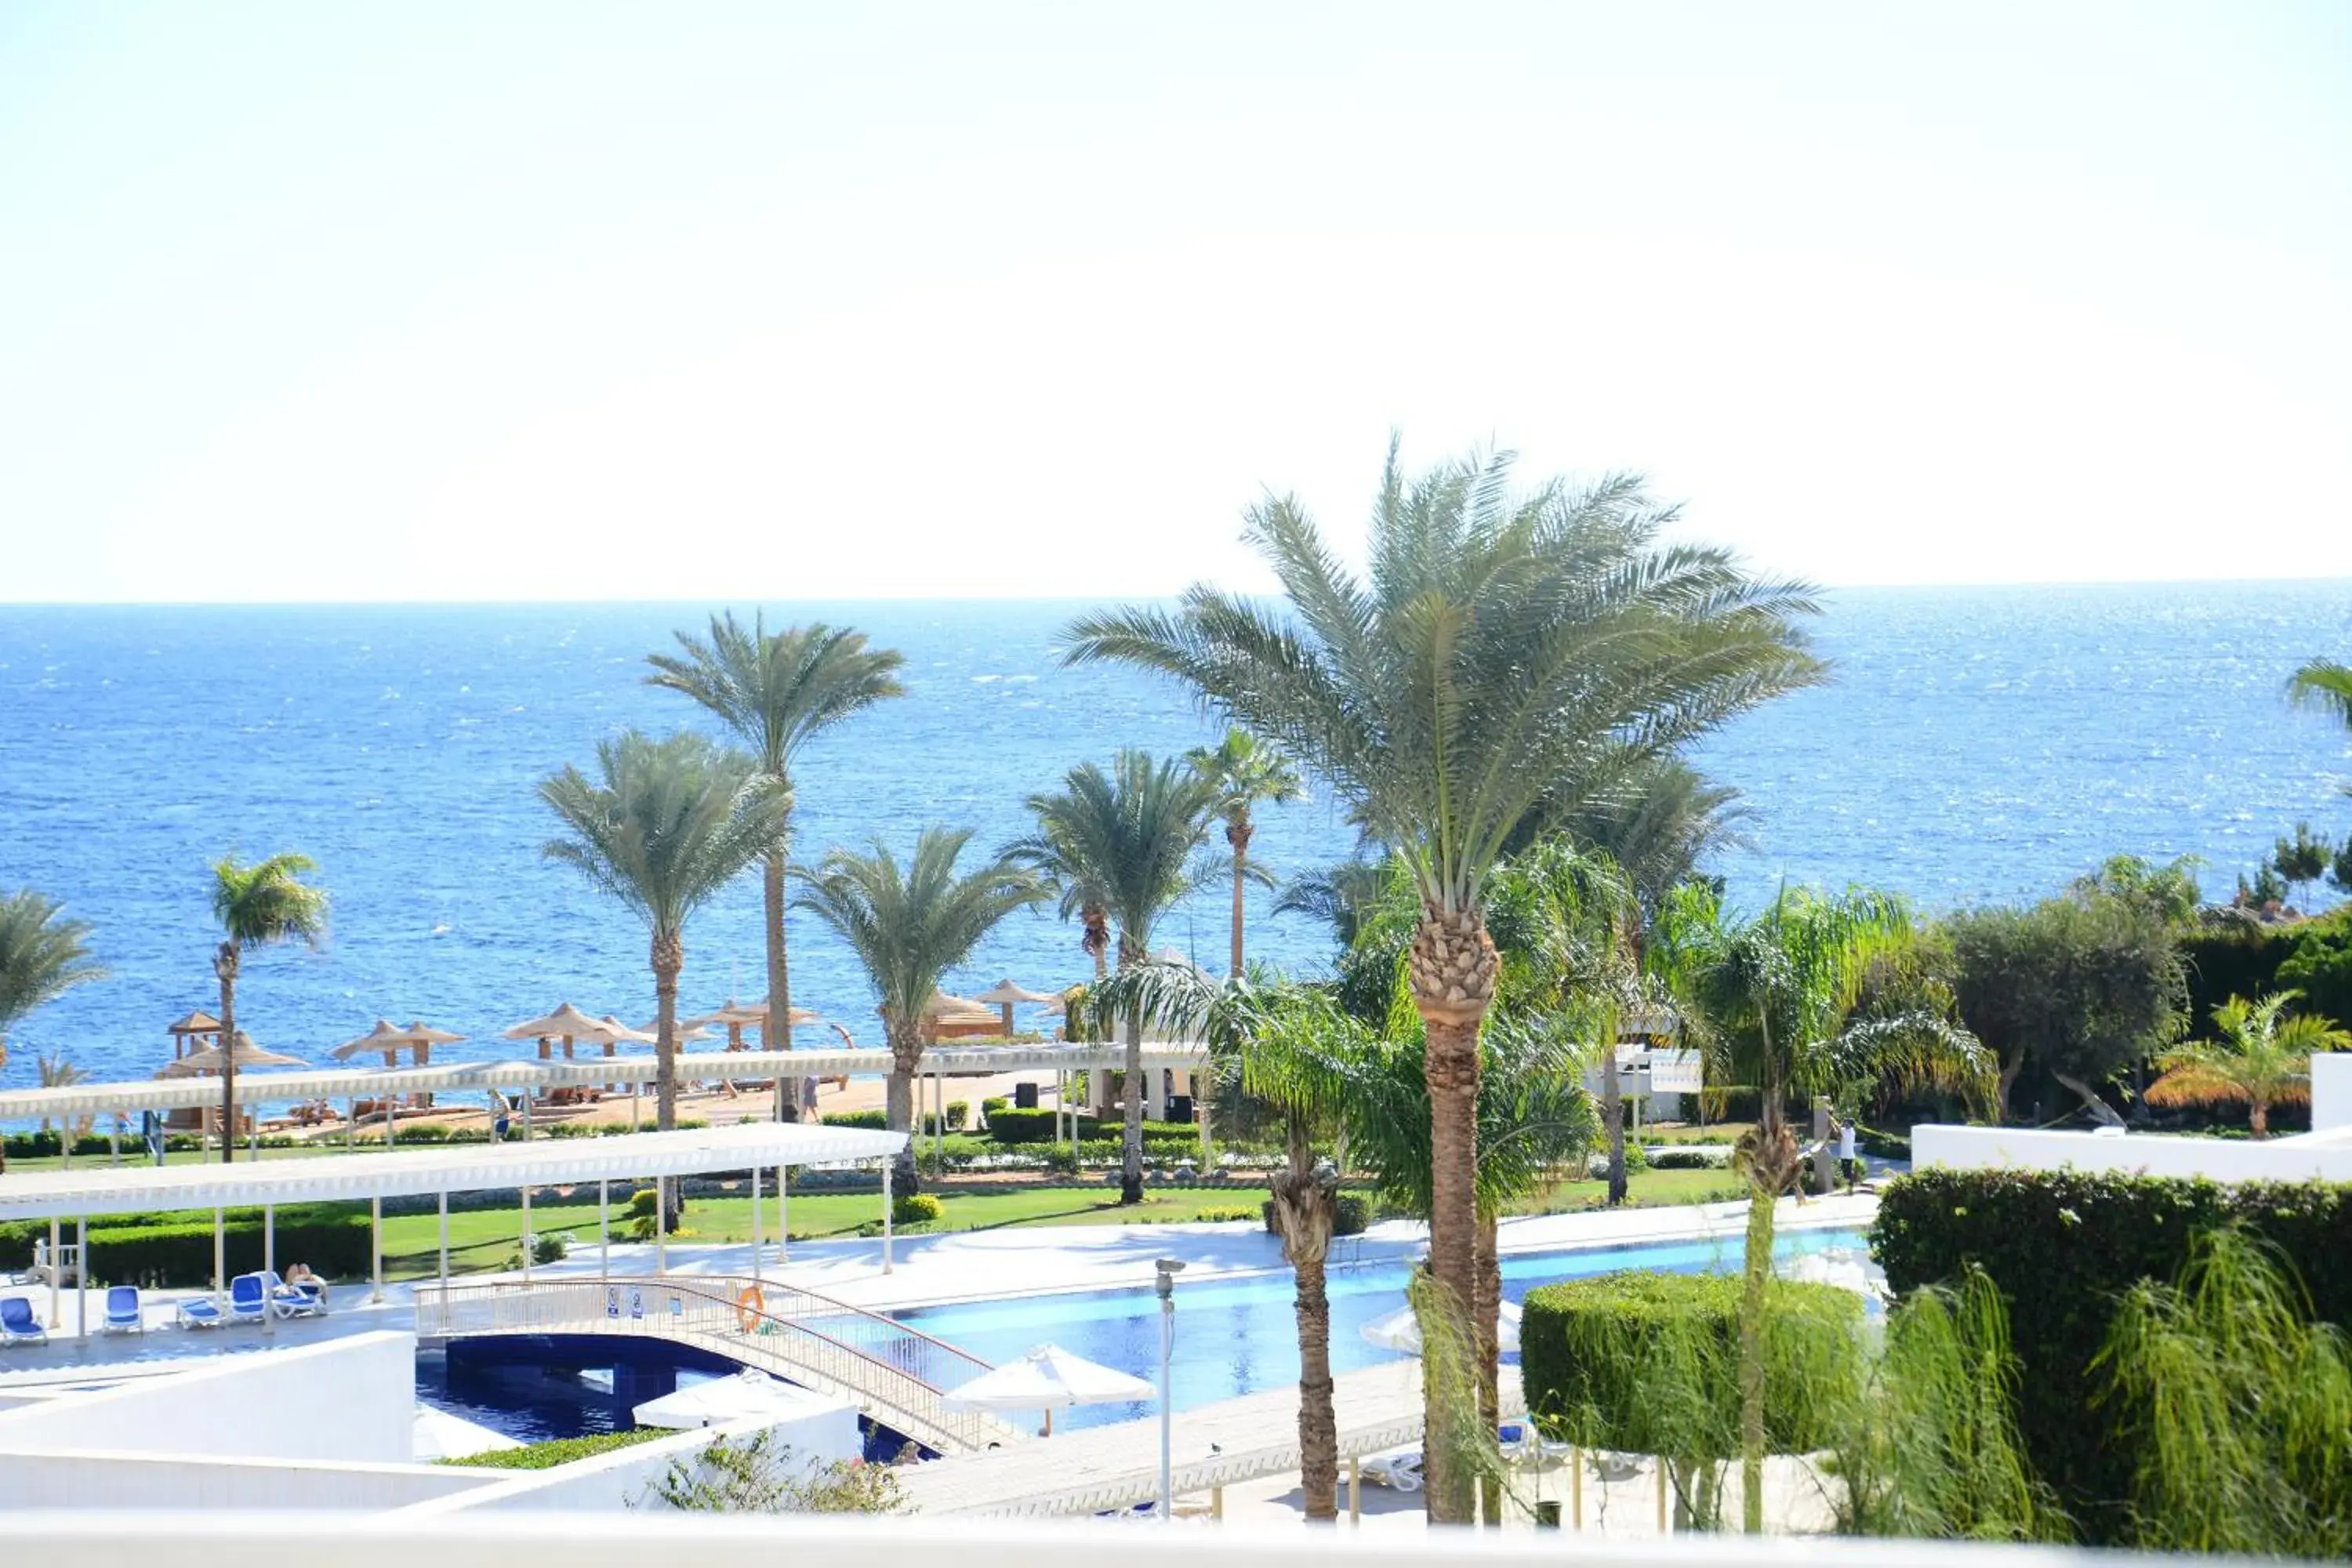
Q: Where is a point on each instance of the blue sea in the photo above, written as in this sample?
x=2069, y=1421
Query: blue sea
x=1976, y=745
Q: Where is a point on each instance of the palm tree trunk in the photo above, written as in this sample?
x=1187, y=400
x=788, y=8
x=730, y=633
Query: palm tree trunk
x=777, y=1033
x=899, y=1103
x=1305, y=1209
x=1757, y=1273
x=2258, y=1117
x=1612, y=1116
x=1131, y=1176
x=1237, y=833
x=1486, y=1309
x=668, y=958
x=225, y=965
x=1451, y=967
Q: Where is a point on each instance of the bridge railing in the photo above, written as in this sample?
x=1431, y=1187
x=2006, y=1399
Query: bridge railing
x=903, y=1371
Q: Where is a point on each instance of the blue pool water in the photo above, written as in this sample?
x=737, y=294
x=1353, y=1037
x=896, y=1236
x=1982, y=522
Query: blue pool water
x=1239, y=1336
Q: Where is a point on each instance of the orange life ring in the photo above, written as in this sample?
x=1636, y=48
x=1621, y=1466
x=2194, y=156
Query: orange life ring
x=751, y=1305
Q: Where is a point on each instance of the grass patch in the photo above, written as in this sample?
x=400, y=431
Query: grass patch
x=558, y=1450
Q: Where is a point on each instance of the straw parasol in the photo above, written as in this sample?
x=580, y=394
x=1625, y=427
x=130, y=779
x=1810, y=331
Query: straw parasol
x=1048, y=1378
x=958, y=1017
x=737, y=1016
x=567, y=1023
x=384, y=1037
x=425, y=1036
x=1007, y=995
x=686, y=1033
x=611, y=1030
x=208, y=1061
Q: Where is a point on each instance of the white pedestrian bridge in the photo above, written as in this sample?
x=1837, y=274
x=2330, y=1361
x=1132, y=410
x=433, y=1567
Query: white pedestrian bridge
x=897, y=1376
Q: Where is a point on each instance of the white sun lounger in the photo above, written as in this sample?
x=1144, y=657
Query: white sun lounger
x=1399, y=1470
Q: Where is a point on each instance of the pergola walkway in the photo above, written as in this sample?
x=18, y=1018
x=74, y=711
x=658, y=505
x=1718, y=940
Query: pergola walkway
x=1093, y=1470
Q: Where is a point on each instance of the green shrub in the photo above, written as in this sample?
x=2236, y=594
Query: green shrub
x=180, y=1252
x=550, y=1247
x=1221, y=1217
x=1062, y=1160
x=1351, y=1213
x=914, y=1208
x=2064, y=1248
x=1688, y=1157
x=958, y=1112
x=992, y=1105
x=877, y=1120
x=1012, y=1125
x=1649, y=1363
x=558, y=1450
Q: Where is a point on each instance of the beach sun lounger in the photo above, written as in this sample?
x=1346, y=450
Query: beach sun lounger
x=294, y=1300
x=201, y=1312
x=1399, y=1470
x=249, y=1298
x=123, y=1312
x=18, y=1326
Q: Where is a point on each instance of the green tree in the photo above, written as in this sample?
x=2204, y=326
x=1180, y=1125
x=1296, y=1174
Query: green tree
x=1247, y=773
x=1337, y=896
x=2262, y=1058
x=1119, y=845
x=1661, y=823
x=2169, y=891
x=2082, y=987
x=662, y=829
x=42, y=957
x=1502, y=647
x=1772, y=1001
x=259, y=905
x=2302, y=859
x=908, y=927
x=777, y=692
x=2325, y=685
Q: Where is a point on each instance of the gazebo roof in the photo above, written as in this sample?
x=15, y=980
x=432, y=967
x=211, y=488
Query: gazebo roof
x=197, y=1022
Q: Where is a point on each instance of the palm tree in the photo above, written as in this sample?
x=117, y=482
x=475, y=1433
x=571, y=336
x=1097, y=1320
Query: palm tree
x=1246, y=771
x=777, y=692
x=664, y=828
x=910, y=927
x=2261, y=1059
x=259, y=905
x=2323, y=684
x=1772, y=1001
x=1119, y=847
x=1337, y=895
x=42, y=957
x=1661, y=825
x=59, y=1073
x=1502, y=649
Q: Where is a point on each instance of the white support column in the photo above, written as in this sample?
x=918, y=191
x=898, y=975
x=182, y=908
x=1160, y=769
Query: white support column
x=634, y=1089
x=1155, y=1094
x=604, y=1230
x=375, y=1250
x=220, y=1251
x=445, y=1250
x=661, y=1227
x=527, y=1098
x=887, y=1204
x=57, y=1271
x=268, y=1267
x=755, y=1220
x=940, y=1121
x=528, y=1239
x=784, y=1213
x=81, y=1276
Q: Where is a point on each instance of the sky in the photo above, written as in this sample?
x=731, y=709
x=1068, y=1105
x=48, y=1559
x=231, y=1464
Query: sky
x=444, y=301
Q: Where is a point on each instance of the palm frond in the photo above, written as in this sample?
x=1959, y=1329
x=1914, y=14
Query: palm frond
x=42, y=954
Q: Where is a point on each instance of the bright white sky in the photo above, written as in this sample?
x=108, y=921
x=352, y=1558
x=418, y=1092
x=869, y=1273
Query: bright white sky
x=456, y=301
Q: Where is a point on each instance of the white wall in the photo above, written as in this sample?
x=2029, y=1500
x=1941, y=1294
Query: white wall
x=108, y=1479
x=2149, y=1154
x=350, y=1399
x=2331, y=1091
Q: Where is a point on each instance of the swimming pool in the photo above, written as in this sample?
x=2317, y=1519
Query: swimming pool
x=1240, y=1336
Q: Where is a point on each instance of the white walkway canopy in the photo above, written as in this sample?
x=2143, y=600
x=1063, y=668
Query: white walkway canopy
x=459, y=1078
x=431, y=1169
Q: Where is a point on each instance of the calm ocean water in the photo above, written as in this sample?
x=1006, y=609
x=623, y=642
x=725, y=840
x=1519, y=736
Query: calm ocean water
x=1978, y=744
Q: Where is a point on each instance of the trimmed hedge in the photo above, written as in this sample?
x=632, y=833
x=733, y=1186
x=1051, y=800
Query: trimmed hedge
x=132, y=1248
x=1589, y=1350
x=556, y=1451
x=1013, y=1125
x=2062, y=1246
x=878, y=1120
x=914, y=1208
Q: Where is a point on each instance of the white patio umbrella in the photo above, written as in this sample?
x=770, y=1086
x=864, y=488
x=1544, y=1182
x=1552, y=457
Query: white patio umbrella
x=1049, y=1378
x=720, y=1400
x=1400, y=1331
x=439, y=1434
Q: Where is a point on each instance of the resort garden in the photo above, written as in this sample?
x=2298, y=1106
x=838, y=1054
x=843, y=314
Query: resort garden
x=1504, y=704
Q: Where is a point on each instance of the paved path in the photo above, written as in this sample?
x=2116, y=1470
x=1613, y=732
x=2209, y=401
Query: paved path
x=1097, y=1469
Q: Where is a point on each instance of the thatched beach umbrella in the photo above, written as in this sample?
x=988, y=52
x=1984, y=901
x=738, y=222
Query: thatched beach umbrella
x=211, y=1061
x=423, y=1038
x=1007, y=995
x=567, y=1023
x=384, y=1038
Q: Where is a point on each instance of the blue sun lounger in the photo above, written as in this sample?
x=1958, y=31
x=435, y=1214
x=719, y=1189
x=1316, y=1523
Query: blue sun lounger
x=123, y=1314
x=249, y=1298
x=18, y=1326
x=201, y=1312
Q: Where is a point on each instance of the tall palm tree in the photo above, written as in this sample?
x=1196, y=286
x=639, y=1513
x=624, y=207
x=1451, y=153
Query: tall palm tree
x=1772, y=1001
x=42, y=957
x=2323, y=684
x=663, y=827
x=1247, y=773
x=1661, y=826
x=259, y=905
x=1119, y=846
x=2261, y=1059
x=908, y=927
x=59, y=1072
x=777, y=692
x=1502, y=647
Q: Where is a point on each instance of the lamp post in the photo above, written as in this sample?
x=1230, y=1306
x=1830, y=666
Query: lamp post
x=1168, y=1269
